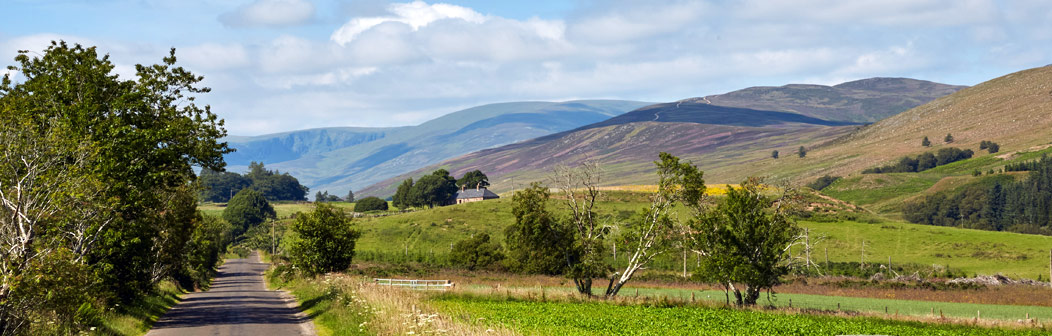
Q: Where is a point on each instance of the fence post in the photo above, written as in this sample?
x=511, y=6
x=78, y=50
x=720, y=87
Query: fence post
x=862, y=264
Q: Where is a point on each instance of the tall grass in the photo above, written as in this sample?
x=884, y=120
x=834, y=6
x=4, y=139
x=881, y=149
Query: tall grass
x=345, y=305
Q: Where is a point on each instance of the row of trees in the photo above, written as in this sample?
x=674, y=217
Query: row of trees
x=323, y=196
x=217, y=186
x=923, y=161
x=743, y=240
x=997, y=203
x=97, y=202
x=436, y=189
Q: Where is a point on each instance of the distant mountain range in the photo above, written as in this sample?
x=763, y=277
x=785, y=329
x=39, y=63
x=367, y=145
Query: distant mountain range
x=342, y=158
x=720, y=139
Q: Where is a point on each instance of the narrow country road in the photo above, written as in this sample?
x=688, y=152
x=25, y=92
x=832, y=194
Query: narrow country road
x=238, y=304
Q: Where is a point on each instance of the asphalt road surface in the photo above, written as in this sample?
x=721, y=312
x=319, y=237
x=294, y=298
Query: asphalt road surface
x=238, y=304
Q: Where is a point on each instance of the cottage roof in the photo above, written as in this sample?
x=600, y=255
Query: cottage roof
x=476, y=193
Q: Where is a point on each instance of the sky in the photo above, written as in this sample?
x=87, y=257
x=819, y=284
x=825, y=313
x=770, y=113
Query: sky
x=282, y=65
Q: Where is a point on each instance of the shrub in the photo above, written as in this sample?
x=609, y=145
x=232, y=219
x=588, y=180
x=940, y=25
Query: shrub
x=476, y=253
x=371, y=203
x=322, y=241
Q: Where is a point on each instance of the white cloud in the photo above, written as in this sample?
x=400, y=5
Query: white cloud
x=214, y=56
x=917, y=13
x=638, y=21
x=404, y=63
x=335, y=77
x=415, y=14
x=269, y=13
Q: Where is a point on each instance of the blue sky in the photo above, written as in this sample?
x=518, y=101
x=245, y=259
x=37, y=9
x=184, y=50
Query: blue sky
x=280, y=65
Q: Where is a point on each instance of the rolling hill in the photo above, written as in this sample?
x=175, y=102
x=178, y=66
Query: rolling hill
x=729, y=143
x=338, y=159
x=860, y=101
x=1014, y=111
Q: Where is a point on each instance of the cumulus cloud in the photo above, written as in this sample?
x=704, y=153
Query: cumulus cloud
x=269, y=13
x=415, y=14
x=391, y=64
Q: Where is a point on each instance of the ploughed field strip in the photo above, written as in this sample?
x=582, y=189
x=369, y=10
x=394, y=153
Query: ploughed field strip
x=236, y=304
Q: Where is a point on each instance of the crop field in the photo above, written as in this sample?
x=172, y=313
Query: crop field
x=876, y=306
x=597, y=318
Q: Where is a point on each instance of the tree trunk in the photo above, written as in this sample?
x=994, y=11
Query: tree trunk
x=611, y=292
x=751, y=295
x=584, y=286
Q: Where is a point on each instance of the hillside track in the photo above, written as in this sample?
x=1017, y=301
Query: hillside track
x=237, y=304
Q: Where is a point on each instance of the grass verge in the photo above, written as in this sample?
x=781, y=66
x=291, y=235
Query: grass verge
x=139, y=316
x=344, y=305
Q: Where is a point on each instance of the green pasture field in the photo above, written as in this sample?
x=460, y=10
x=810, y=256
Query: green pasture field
x=429, y=233
x=597, y=318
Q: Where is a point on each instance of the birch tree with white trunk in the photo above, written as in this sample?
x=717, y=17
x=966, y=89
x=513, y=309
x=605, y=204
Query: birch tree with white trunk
x=657, y=230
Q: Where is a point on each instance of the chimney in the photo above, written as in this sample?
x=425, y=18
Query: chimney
x=478, y=186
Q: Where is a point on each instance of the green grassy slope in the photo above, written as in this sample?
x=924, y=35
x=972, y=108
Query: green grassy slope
x=430, y=233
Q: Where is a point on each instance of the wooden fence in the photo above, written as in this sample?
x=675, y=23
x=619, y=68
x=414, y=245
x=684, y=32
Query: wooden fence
x=416, y=284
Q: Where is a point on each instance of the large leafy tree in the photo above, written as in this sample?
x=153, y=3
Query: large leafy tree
x=274, y=185
x=745, y=241
x=221, y=186
x=94, y=178
x=434, y=190
x=403, y=197
x=473, y=179
x=247, y=209
x=322, y=240
x=537, y=242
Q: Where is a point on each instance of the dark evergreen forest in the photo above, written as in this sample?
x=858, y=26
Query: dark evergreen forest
x=998, y=203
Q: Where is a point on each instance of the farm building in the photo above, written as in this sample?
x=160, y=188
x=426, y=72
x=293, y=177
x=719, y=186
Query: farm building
x=474, y=195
